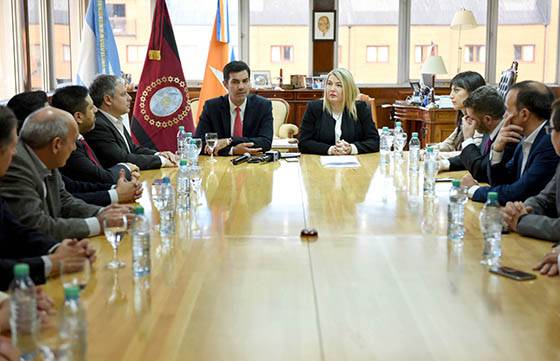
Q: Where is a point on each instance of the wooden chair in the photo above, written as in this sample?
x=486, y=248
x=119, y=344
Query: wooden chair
x=371, y=101
x=194, y=110
x=507, y=79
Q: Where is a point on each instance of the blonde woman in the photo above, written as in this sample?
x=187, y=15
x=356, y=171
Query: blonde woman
x=338, y=124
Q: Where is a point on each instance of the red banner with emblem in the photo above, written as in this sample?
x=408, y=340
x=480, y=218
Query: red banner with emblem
x=162, y=100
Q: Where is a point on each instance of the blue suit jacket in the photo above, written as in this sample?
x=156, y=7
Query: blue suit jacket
x=506, y=178
x=257, y=122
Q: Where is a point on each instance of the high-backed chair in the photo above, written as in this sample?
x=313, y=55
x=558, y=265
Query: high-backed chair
x=194, y=110
x=507, y=79
x=372, y=104
x=280, y=112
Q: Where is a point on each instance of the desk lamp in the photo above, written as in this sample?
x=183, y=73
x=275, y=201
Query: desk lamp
x=433, y=65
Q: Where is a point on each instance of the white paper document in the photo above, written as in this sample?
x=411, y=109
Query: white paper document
x=283, y=144
x=340, y=161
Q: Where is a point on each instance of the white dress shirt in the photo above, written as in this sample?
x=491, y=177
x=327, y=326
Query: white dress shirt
x=338, y=131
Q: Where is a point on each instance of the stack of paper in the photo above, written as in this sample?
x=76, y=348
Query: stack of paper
x=340, y=161
x=278, y=143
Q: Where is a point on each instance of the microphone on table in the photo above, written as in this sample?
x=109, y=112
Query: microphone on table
x=241, y=159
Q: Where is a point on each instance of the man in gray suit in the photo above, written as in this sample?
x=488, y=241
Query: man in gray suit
x=33, y=186
x=539, y=215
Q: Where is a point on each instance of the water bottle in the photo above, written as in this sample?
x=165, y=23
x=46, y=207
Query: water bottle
x=181, y=142
x=456, y=213
x=73, y=326
x=384, y=145
x=23, y=318
x=167, y=213
x=414, y=153
x=141, y=262
x=430, y=172
x=183, y=186
x=491, y=227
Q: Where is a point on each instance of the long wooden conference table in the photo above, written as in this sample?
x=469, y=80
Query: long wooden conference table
x=381, y=282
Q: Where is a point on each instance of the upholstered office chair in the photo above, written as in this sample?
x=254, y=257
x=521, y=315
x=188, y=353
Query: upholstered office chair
x=372, y=104
x=280, y=112
x=194, y=110
x=507, y=79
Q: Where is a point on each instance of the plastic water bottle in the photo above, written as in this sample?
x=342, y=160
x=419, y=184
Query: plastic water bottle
x=430, y=172
x=23, y=318
x=167, y=212
x=384, y=145
x=183, y=186
x=141, y=261
x=73, y=326
x=182, y=142
x=491, y=227
x=456, y=213
x=414, y=153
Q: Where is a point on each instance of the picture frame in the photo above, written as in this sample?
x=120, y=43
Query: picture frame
x=261, y=79
x=324, y=25
x=318, y=82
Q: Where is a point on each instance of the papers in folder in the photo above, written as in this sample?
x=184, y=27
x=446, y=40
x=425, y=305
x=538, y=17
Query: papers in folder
x=340, y=161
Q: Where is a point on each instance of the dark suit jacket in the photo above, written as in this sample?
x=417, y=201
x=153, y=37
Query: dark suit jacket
x=257, y=122
x=56, y=213
x=317, y=129
x=110, y=148
x=506, y=178
x=79, y=167
x=92, y=193
x=20, y=244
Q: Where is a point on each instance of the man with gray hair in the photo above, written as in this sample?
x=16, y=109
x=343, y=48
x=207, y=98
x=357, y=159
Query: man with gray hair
x=33, y=187
x=110, y=139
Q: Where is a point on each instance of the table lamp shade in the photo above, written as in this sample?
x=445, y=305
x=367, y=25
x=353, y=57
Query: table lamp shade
x=434, y=65
x=463, y=20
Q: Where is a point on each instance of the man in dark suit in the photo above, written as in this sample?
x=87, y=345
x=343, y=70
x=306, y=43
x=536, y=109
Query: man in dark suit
x=110, y=140
x=532, y=165
x=19, y=243
x=83, y=164
x=243, y=122
x=33, y=186
x=484, y=112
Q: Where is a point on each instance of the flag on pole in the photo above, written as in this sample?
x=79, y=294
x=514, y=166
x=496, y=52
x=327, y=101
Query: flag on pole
x=98, y=50
x=218, y=55
x=162, y=100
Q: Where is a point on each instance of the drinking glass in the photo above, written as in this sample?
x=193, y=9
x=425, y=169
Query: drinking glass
x=157, y=194
x=211, y=141
x=197, y=142
x=75, y=271
x=115, y=227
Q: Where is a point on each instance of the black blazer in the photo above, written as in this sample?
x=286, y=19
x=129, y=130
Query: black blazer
x=92, y=193
x=317, y=129
x=473, y=155
x=80, y=167
x=19, y=243
x=110, y=148
x=257, y=122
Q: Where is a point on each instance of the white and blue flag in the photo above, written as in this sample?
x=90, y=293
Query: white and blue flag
x=98, y=50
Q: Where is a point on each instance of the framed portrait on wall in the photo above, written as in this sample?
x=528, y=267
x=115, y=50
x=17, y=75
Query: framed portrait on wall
x=324, y=25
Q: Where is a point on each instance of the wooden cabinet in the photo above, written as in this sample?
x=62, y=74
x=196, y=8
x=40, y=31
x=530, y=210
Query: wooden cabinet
x=296, y=98
x=432, y=125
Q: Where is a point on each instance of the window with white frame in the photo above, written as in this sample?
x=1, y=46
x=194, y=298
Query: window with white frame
x=377, y=54
x=281, y=54
x=474, y=54
x=524, y=53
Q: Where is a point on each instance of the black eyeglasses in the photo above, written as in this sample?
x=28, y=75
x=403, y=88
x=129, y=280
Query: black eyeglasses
x=548, y=129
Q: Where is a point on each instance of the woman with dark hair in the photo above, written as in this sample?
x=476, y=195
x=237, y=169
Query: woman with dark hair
x=462, y=85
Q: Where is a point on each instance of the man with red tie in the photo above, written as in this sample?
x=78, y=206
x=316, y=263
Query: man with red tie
x=243, y=122
x=83, y=165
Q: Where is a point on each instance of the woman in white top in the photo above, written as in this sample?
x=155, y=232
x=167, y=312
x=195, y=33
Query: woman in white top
x=462, y=85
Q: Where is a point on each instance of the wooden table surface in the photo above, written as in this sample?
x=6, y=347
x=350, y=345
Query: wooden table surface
x=380, y=283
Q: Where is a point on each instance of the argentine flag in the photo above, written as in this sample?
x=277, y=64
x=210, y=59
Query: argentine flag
x=98, y=50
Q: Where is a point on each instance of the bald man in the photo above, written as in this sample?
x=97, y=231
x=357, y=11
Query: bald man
x=33, y=186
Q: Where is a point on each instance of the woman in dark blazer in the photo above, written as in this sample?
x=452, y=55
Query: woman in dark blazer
x=338, y=124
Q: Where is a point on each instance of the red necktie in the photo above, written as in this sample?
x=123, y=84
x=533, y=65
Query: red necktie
x=89, y=152
x=237, y=126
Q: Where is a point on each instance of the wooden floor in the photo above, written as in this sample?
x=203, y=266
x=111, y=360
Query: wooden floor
x=380, y=283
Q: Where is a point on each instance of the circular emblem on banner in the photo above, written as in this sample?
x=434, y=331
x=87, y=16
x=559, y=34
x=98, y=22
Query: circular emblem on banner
x=165, y=102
